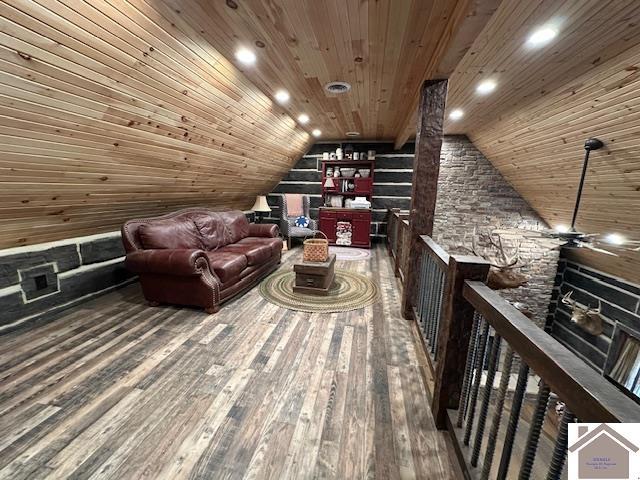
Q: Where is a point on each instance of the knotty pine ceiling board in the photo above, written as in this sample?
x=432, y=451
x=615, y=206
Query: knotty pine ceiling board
x=119, y=109
x=548, y=101
x=385, y=49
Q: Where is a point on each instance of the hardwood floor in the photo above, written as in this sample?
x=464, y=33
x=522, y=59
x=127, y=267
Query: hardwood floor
x=117, y=389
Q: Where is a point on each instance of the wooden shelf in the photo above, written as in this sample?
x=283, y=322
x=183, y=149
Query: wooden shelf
x=329, y=192
x=346, y=163
x=344, y=178
x=346, y=208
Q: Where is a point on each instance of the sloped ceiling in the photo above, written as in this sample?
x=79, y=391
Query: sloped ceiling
x=548, y=101
x=114, y=109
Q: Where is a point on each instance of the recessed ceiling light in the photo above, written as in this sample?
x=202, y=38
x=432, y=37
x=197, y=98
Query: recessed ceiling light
x=542, y=36
x=485, y=87
x=282, y=96
x=456, y=114
x=316, y=133
x=246, y=56
x=615, y=239
x=352, y=134
x=303, y=118
x=562, y=229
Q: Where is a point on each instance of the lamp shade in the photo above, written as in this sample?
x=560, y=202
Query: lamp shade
x=261, y=204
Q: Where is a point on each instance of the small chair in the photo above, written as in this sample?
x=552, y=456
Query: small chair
x=287, y=223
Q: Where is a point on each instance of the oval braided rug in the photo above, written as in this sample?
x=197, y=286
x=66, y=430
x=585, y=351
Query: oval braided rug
x=350, y=253
x=349, y=291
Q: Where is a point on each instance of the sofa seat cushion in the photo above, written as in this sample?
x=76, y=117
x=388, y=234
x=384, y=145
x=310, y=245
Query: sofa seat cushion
x=175, y=234
x=256, y=254
x=274, y=243
x=227, y=265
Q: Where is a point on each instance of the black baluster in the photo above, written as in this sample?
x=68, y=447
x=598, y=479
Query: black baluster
x=428, y=302
x=478, y=366
x=466, y=382
x=512, y=426
x=425, y=302
x=486, y=398
x=420, y=305
x=560, y=449
x=439, y=283
x=497, y=416
x=432, y=307
x=434, y=334
x=534, y=431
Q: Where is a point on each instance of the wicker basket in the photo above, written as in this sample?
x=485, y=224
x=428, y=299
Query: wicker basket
x=316, y=249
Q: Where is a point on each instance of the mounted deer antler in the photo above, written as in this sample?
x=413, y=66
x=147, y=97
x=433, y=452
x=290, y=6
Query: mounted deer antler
x=501, y=273
x=587, y=318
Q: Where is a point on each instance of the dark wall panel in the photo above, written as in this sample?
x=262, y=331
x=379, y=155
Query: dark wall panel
x=619, y=300
x=392, y=180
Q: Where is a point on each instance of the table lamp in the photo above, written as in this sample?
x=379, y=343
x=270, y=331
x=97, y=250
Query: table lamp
x=260, y=207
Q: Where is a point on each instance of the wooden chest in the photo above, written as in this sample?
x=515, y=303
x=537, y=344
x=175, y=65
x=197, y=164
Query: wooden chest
x=314, y=277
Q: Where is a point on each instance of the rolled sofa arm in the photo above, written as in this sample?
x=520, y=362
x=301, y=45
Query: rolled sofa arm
x=263, y=230
x=170, y=262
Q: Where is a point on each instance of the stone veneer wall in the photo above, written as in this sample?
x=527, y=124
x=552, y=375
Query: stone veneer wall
x=38, y=281
x=391, y=187
x=472, y=192
x=620, y=304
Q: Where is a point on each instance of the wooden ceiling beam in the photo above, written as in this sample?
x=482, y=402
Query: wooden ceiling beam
x=469, y=19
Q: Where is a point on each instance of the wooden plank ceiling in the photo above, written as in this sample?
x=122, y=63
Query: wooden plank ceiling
x=384, y=48
x=548, y=101
x=114, y=109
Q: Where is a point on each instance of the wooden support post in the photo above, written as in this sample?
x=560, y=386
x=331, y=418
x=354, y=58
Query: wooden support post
x=426, y=167
x=455, y=333
x=390, y=225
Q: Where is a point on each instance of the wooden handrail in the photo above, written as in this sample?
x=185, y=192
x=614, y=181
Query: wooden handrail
x=589, y=395
x=436, y=251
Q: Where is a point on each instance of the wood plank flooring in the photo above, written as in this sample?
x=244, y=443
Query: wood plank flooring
x=117, y=389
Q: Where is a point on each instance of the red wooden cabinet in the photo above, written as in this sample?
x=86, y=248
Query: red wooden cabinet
x=361, y=225
x=360, y=220
x=328, y=224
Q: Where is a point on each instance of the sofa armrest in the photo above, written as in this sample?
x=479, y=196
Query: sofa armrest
x=263, y=230
x=170, y=262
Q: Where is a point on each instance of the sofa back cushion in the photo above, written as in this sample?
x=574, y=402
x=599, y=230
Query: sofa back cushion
x=212, y=230
x=174, y=233
x=236, y=226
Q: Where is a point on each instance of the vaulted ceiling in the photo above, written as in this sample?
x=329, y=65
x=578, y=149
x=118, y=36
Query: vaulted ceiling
x=113, y=109
x=116, y=109
x=120, y=109
x=549, y=100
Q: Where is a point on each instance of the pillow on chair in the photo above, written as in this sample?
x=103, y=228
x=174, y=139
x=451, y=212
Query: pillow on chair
x=302, y=221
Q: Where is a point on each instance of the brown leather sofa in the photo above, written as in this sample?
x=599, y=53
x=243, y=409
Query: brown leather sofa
x=199, y=257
